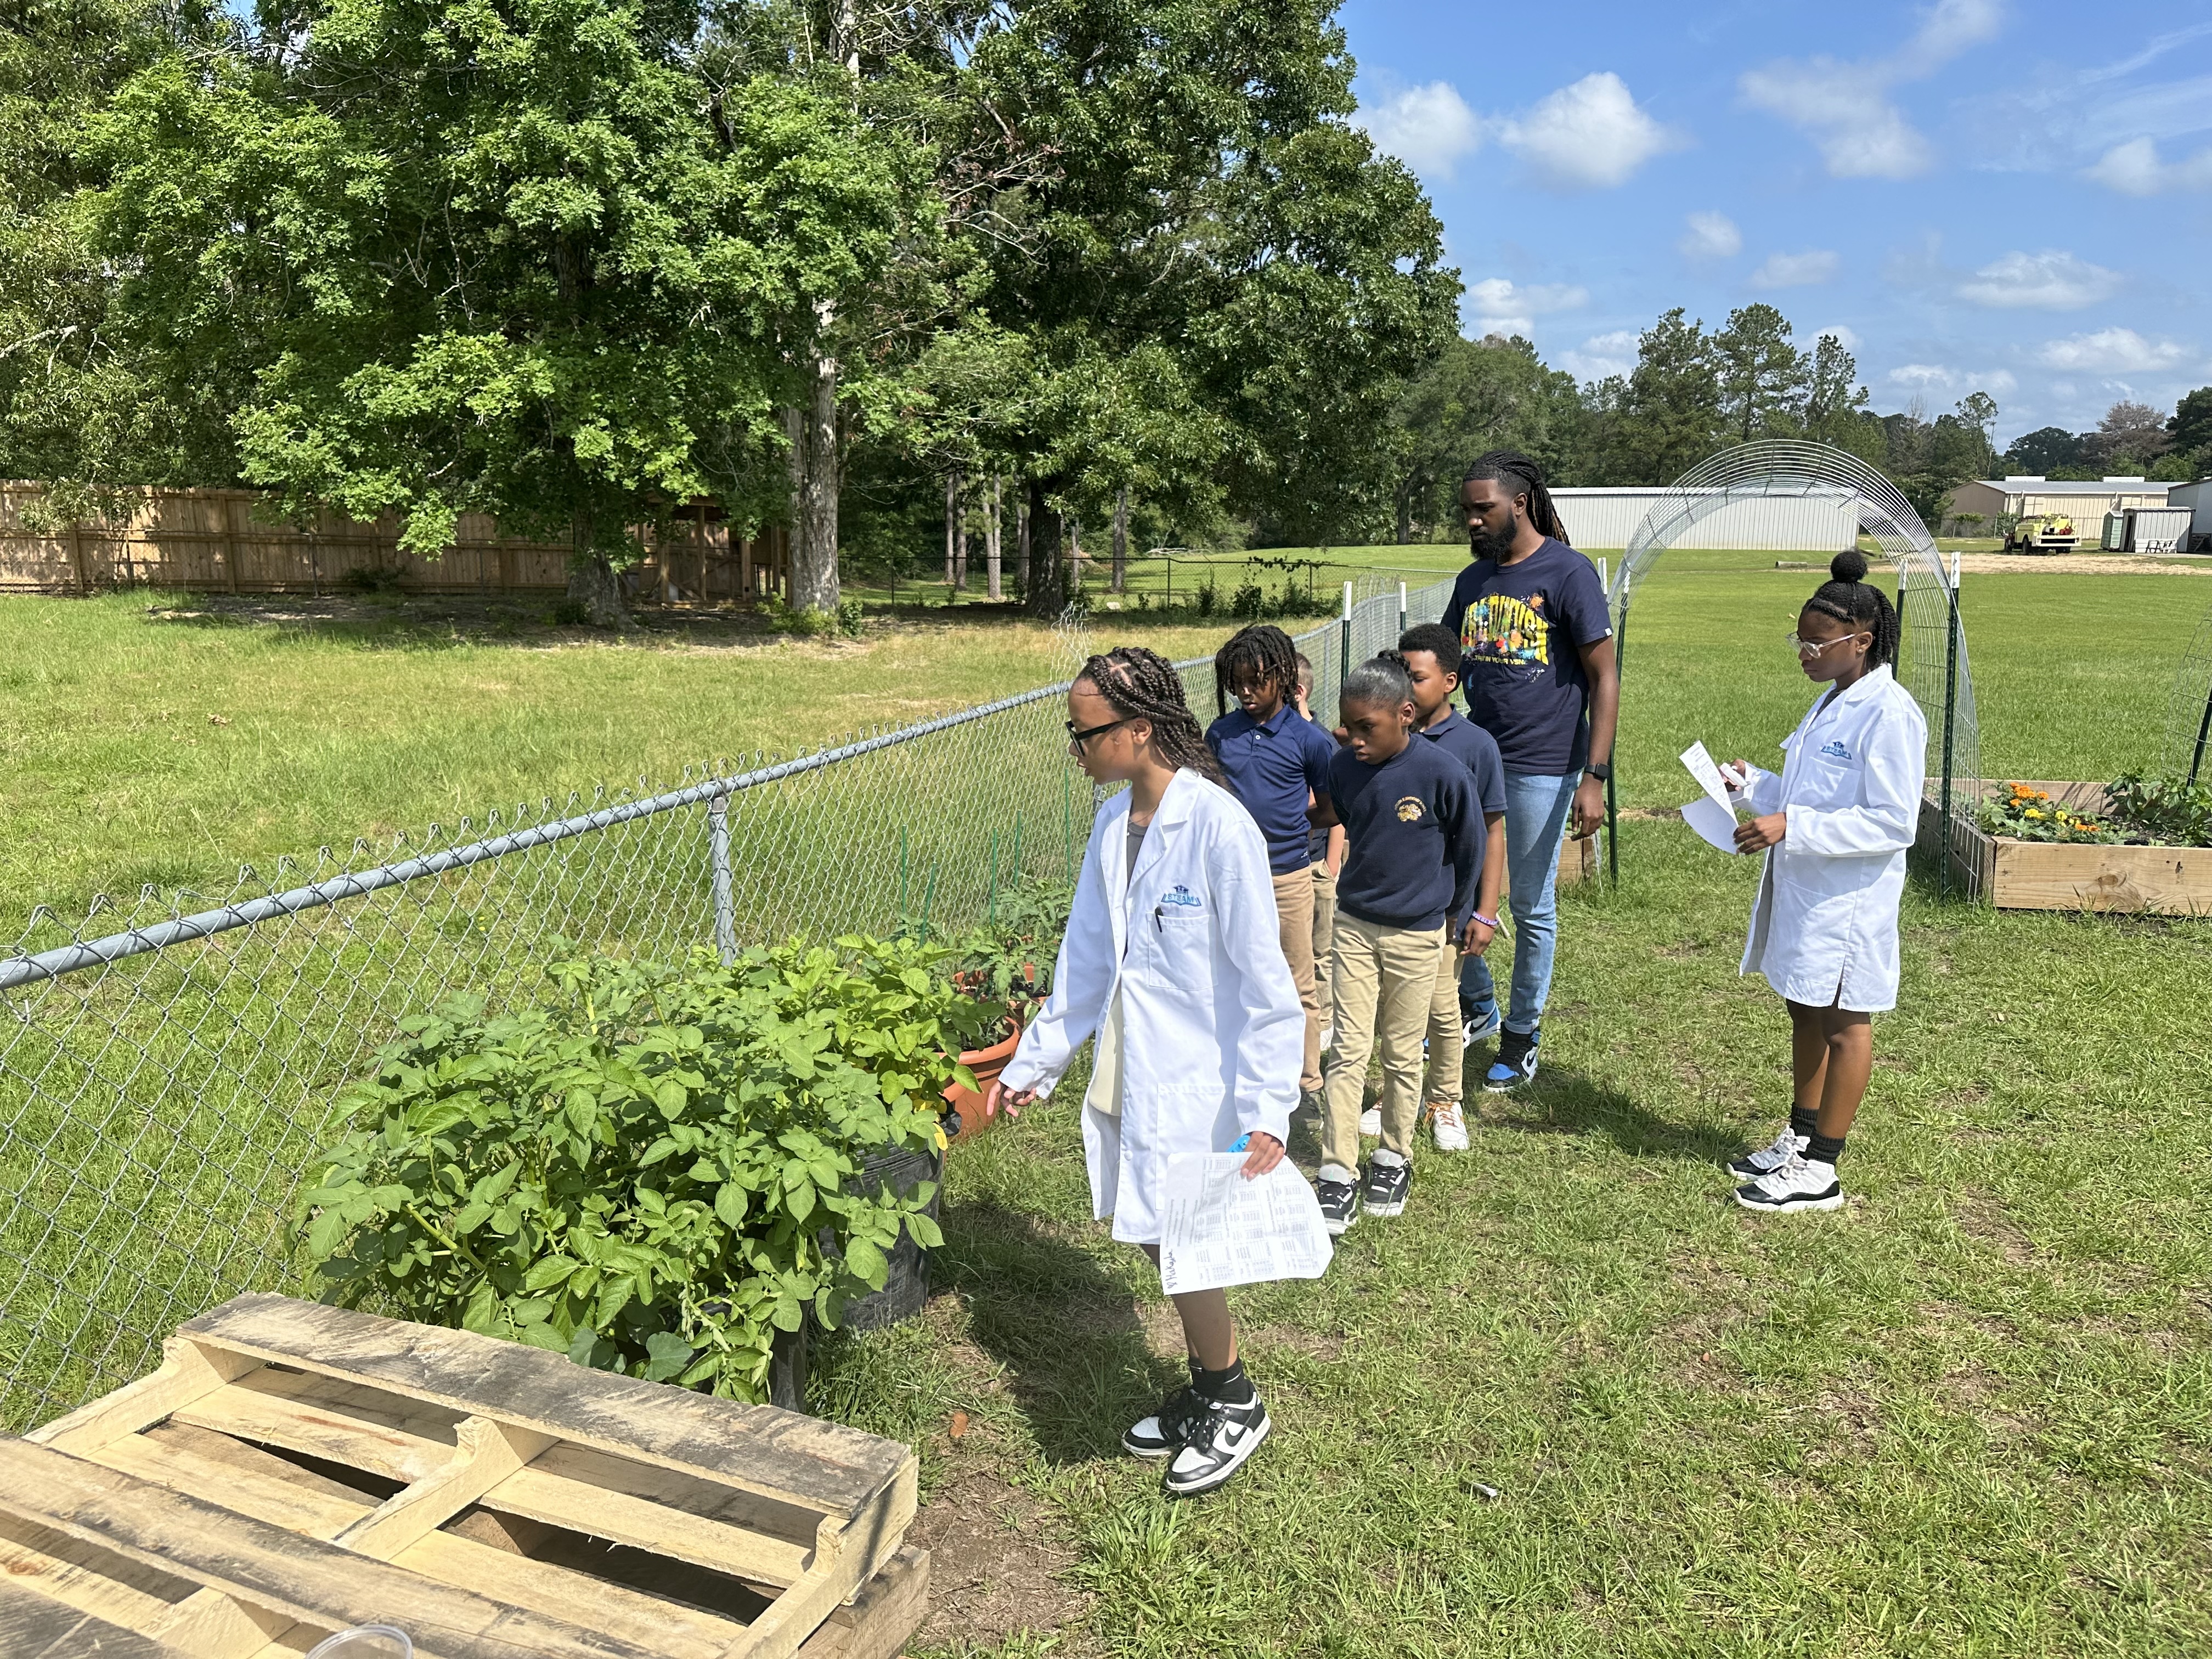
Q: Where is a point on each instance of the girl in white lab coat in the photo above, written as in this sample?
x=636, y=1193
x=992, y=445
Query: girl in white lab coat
x=1836, y=823
x=1173, y=957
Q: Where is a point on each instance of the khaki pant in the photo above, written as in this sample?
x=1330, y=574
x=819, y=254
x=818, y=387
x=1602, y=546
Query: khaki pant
x=1324, y=939
x=1447, y=1060
x=1385, y=980
x=1294, y=903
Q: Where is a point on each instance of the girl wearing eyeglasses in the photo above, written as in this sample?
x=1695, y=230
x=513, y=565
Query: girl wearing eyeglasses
x=1835, y=824
x=1173, y=957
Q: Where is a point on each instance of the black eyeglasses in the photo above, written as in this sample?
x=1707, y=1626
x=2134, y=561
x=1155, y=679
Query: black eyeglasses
x=1077, y=739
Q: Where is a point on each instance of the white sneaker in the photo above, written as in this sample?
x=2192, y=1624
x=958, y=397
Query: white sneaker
x=1218, y=1441
x=1787, y=1145
x=1800, y=1184
x=1370, y=1120
x=1448, y=1124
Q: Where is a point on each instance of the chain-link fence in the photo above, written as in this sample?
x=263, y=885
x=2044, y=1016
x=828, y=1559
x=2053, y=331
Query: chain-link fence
x=167, y=1071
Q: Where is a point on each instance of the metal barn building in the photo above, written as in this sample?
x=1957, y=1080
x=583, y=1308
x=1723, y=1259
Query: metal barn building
x=2085, y=500
x=2197, y=498
x=1822, y=523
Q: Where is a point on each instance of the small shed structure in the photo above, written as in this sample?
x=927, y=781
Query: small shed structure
x=2197, y=498
x=1816, y=522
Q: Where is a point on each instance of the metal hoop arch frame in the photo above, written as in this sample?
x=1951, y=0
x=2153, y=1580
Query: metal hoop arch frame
x=1932, y=640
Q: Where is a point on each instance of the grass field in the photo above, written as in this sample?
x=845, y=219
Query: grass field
x=1971, y=1414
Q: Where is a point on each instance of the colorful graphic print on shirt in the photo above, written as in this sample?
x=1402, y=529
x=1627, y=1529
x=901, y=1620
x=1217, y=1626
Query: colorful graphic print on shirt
x=1502, y=628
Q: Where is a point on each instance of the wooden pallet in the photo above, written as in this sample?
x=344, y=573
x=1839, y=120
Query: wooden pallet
x=292, y=1468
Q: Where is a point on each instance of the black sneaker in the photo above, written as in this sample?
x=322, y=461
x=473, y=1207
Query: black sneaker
x=1162, y=1433
x=1515, y=1063
x=1339, y=1205
x=1221, y=1438
x=1387, y=1186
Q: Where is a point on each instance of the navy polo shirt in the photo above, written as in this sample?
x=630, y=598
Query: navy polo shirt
x=1272, y=765
x=1415, y=837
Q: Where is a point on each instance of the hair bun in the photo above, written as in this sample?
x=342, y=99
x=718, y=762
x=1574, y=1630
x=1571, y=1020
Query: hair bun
x=1848, y=566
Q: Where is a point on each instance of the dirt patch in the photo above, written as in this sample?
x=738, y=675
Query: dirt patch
x=1000, y=1560
x=1982, y=1217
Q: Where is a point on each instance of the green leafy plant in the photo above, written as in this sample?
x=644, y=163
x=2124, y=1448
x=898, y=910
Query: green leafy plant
x=1248, y=602
x=2023, y=812
x=1009, y=960
x=2166, y=811
x=654, y=1170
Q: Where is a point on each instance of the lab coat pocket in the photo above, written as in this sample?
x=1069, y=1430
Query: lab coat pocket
x=1181, y=954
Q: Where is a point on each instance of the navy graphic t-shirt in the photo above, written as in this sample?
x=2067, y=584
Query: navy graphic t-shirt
x=1521, y=627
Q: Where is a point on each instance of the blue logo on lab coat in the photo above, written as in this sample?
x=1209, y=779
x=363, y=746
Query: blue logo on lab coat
x=1835, y=749
x=1183, y=896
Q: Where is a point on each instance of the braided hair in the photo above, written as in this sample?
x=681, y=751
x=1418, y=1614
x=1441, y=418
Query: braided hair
x=1851, y=599
x=1521, y=476
x=1383, y=678
x=1143, y=685
x=1261, y=652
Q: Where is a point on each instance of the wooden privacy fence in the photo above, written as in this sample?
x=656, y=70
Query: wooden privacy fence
x=211, y=541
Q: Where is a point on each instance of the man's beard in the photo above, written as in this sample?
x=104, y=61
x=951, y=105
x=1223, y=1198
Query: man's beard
x=1487, y=546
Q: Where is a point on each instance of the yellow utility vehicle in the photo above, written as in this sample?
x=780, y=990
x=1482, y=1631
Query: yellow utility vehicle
x=2044, y=532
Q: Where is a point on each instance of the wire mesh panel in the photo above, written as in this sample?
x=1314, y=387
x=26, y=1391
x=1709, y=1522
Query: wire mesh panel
x=1932, y=660
x=168, y=1068
x=2187, y=750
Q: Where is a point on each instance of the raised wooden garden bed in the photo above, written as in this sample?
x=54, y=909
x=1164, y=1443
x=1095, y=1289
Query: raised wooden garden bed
x=294, y=1469
x=2039, y=875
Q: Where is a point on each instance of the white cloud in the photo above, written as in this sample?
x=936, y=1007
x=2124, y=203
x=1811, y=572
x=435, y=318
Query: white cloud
x=2111, y=351
x=1796, y=270
x=1710, y=236
x=1430, y=128
x=1589, y=135
x=1845, y=107
x=2049, y=281
x=1847, y=338
x=1602, y=354
x=1496, y=306
x=2134, y=169
x=1950, y=381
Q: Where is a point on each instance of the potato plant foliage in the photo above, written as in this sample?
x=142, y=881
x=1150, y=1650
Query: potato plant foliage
x=653, y=1171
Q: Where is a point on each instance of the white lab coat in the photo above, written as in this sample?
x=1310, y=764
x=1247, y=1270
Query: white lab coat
x=1213, y=1033
x=1824, y=927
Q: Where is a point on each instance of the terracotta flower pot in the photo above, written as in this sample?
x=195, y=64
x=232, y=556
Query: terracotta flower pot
x=986, y=1063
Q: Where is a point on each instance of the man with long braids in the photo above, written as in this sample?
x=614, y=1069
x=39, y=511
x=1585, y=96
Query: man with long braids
x=1537, y=669
x=1172, y=958
x=1277, y=763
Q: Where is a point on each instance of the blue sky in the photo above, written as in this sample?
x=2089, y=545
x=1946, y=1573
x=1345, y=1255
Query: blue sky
x=2011, y=196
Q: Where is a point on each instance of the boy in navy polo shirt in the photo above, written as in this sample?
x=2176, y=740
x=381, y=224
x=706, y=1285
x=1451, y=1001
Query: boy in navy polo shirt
x=1278, y=763
x=1415, y=835
x=1431, y=654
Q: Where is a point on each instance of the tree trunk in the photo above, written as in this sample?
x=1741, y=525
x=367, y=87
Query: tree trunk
x=960, y=543
x=952, y=520
x=1022, y=537
x=1122, y=540
x=991, y=547
x=1047, y=593
x=1405, y=515
x=592, y=583
x=814, y=550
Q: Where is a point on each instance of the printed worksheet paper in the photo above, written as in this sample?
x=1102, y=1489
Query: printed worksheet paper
x=1219, y=1229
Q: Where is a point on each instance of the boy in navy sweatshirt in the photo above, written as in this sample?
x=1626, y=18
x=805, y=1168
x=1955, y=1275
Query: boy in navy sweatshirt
x=1414, y=836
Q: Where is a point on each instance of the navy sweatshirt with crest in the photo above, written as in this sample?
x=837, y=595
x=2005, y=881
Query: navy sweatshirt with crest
x=1414, y=836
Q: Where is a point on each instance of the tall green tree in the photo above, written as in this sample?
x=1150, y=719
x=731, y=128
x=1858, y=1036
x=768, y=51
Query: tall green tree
x=1478, y=395
x=1763, y=377
x=506, y=264
x=1671, y=417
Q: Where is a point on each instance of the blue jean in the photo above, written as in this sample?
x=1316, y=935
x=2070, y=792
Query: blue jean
x=1535, y=819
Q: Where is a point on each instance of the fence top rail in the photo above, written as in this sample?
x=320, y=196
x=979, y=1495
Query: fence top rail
x=23, y=967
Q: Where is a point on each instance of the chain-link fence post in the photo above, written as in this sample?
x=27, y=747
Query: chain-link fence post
x=718, y=854
x=1950, y=732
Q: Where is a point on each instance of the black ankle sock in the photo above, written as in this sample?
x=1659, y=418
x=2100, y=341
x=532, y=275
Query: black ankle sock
x=1802, y=1122
x=1825, y=1149
x=1230, y=1386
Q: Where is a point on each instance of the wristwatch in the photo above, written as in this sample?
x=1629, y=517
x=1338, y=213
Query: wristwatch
x=1601, y=770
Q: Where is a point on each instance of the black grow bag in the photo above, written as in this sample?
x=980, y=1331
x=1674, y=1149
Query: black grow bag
x=907, y=1285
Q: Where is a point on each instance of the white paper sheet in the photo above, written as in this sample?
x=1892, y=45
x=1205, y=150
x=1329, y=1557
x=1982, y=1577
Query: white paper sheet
x=1708, y=775
x=1219, y=1229
x=1717, y=824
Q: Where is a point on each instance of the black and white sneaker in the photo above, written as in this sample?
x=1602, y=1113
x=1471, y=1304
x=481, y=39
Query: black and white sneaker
x=1221, y=1439
x=1339, y=1205
x=1767, y=1159
x=1515, y=1063
x=1164, y=1432
x=1387, y=1186
x=1800, y=1184
x=1474, y=1026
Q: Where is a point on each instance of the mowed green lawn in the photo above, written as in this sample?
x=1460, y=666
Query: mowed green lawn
x=1971, y=1414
